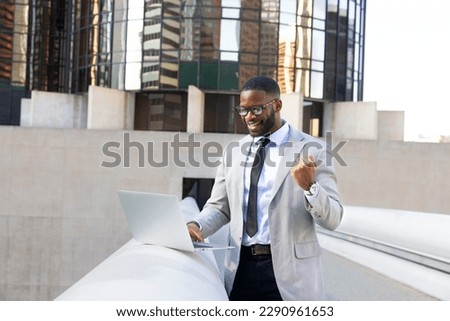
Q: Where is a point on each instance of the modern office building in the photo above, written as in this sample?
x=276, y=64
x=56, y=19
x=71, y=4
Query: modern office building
x=157, y=49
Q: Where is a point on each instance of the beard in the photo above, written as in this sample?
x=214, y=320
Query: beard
x=260, y=127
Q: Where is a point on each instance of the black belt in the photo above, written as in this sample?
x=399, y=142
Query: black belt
x=257, y=249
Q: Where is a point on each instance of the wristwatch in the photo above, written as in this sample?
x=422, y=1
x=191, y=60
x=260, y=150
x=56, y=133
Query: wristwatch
x=313, y=189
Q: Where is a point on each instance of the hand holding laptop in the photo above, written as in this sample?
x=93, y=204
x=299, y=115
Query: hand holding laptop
x=194, y=232
x=157, y=219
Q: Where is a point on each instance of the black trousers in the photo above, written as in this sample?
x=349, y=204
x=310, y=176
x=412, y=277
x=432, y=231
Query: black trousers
x=255, y=280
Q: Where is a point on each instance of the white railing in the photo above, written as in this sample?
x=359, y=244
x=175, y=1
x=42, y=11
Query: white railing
x=410, y=247
x=148, y=272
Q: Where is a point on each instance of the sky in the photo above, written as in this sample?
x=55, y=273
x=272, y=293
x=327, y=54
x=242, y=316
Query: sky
x=407, y=62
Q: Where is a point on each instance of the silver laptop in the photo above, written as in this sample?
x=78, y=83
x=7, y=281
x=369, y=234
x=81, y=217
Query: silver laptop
x=157, y=219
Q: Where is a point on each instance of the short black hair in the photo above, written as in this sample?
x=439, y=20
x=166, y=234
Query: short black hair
x=263, y=83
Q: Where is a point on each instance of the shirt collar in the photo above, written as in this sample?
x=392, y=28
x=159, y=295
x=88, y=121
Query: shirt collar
x=278, y=136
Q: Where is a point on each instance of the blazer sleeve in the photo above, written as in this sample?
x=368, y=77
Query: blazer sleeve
x=216, y=212
x=326, y=208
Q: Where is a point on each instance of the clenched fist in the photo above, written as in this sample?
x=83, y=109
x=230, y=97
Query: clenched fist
x=304, y=173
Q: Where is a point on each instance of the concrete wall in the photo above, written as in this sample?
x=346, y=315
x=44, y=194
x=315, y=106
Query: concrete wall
x=54, y=110
x=60, y=215
x=59, y=212
x=396, y=175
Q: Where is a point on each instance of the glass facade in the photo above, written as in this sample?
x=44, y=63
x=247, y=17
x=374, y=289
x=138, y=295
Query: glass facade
x=74, y=44
x=160, y=47
x=13, y=46
x=310, y=46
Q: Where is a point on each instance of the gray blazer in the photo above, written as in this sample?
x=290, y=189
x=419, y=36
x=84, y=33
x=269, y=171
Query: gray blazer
x=295, y=248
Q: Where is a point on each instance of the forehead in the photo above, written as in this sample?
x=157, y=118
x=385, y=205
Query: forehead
x=253, y=97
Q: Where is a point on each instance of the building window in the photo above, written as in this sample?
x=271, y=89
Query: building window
x=220, y=116
x=312, y=118
x=161, y=111
x=93, y=44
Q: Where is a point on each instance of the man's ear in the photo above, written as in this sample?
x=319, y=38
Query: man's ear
x=279, y=105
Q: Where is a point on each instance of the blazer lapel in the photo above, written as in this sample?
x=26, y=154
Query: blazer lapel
x=239, y=157
x=290, y=152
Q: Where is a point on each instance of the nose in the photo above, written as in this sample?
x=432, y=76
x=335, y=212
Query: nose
x=249, y=116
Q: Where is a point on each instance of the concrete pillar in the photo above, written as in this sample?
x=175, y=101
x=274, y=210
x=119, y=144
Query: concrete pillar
x=26, y=112
x=130, y=108
x=351, y=120
x=391, y=125
x=292, y=110
x=195, y=110
x=109, y=109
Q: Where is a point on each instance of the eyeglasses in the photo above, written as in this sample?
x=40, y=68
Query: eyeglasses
x=255, y=110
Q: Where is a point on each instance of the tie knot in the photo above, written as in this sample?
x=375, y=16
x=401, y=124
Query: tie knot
x=263, y=142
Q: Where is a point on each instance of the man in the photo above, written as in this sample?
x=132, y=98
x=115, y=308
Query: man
x=276, y=255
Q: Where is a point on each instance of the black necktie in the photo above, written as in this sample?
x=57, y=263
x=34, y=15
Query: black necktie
x=258, y=163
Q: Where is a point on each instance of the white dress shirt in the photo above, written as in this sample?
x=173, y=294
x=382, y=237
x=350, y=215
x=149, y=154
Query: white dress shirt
x=265, y=184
